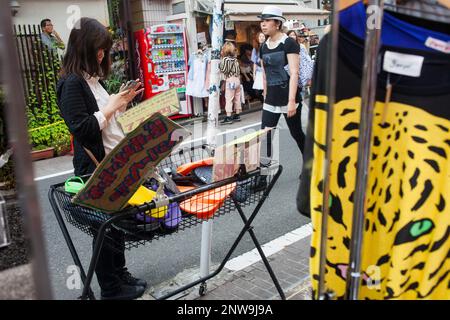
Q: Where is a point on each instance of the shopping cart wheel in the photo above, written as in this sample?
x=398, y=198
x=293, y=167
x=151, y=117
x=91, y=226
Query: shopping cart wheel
x=202, y=290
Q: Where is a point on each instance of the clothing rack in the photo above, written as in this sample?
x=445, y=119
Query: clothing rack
x=368, y=100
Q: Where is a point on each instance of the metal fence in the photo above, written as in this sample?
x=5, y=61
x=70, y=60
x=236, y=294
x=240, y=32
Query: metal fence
x=39, y=65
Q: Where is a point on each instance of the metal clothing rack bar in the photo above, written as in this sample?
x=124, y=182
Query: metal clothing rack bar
x=323, y=293
x=75, y=215
x=18, y=134
x=368, y=91
x=368, y=97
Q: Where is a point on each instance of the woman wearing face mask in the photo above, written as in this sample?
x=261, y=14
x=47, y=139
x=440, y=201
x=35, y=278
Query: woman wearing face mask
x=90, y=114
x=280, y=87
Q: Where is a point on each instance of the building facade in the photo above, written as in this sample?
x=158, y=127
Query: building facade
x=63, y=13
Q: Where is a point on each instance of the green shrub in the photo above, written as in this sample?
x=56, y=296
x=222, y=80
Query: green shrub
x=46, y=128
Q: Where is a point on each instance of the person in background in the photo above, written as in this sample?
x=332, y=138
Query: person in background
x=91, y=114
x=306, y=63
x=292, y=34
x=49, y=37
x=303, y=39
x=258, y=84
x=230, y=36
x=246, y=65
x=229, y=66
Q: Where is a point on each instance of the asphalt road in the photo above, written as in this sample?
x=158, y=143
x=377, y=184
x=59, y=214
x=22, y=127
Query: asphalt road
x=162, y=260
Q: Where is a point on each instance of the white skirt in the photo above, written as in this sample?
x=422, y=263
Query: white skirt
x=258, y=83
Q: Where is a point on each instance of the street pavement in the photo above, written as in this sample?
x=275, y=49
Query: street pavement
x=175, y=259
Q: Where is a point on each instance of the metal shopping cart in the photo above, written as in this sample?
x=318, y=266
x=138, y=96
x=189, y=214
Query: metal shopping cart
x=154, y=220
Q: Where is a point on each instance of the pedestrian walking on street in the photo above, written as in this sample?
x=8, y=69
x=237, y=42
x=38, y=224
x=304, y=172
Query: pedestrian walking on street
x=229, y=66
x=281, y=94
x=90, y=114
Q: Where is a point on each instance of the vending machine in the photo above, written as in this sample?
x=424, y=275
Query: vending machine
x=163, y=60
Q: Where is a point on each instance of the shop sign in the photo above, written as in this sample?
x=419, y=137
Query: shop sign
x=229, y=25
x=201, y=39
x=166, y=103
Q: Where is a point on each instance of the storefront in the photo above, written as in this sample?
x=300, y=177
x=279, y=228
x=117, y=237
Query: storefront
x=243, y=25
x=242, y=16
x=241, y=22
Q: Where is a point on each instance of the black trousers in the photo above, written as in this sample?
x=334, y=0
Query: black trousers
x=270, y=120
x=111, y=262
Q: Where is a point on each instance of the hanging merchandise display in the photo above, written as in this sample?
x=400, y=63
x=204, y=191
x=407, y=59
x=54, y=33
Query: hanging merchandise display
x=406, y=226
x=198, y=76
x=163, y=62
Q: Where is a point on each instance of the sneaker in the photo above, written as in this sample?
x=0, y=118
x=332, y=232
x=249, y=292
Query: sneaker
x=227, y=120
x=236, y=117
x=125, y=292
x=128, y=279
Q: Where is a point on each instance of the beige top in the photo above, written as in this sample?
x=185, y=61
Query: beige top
x=112, y=133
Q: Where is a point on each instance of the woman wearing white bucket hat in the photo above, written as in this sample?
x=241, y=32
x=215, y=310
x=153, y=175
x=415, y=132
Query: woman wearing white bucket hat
x=281, y=92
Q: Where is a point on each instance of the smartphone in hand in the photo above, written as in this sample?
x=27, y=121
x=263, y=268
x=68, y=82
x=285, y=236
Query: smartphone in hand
x=129, y=85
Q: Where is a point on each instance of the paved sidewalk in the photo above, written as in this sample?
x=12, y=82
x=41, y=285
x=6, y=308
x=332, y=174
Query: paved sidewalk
x=290, y=265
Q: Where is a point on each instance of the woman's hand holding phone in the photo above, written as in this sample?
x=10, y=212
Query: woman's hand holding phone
x=120, y=100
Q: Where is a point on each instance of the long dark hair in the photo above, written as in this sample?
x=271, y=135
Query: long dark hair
x=258, y=45
x=86, y=39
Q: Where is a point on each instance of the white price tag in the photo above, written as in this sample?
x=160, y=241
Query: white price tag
x=438, y=45
x=403, y=64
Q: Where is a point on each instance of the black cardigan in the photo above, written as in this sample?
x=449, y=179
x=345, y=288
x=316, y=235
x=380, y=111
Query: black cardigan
x=78, y=105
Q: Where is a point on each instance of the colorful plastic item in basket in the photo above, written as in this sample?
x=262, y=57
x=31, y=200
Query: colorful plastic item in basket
x=144, y=195
x=73, y=185
x=205, y=204
x=187, y=168
x=171, y=219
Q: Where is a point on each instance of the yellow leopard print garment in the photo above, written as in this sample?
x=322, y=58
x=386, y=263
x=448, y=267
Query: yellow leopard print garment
x=406, y=243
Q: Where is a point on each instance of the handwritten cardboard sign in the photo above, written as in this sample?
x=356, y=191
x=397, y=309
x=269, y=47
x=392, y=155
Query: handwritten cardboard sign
x=244, y=150
x=166, y=103
x=126, y=167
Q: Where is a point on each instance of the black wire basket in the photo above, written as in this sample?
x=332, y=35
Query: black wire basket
x=198, y=201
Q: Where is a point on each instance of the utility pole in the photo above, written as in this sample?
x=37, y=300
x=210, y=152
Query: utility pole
x=213, y=121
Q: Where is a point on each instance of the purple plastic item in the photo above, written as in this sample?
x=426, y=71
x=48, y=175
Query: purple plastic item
x=172, y=218
x=145, y=218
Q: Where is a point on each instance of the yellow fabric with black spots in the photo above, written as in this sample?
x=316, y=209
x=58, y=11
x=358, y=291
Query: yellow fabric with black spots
x=406, y=243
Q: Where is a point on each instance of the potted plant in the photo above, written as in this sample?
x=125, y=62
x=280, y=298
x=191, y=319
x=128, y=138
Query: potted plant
x=62, y=144
x=41, y=152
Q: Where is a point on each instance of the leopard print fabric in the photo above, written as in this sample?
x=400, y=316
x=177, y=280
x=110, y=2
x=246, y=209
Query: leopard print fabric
x=406, y=244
